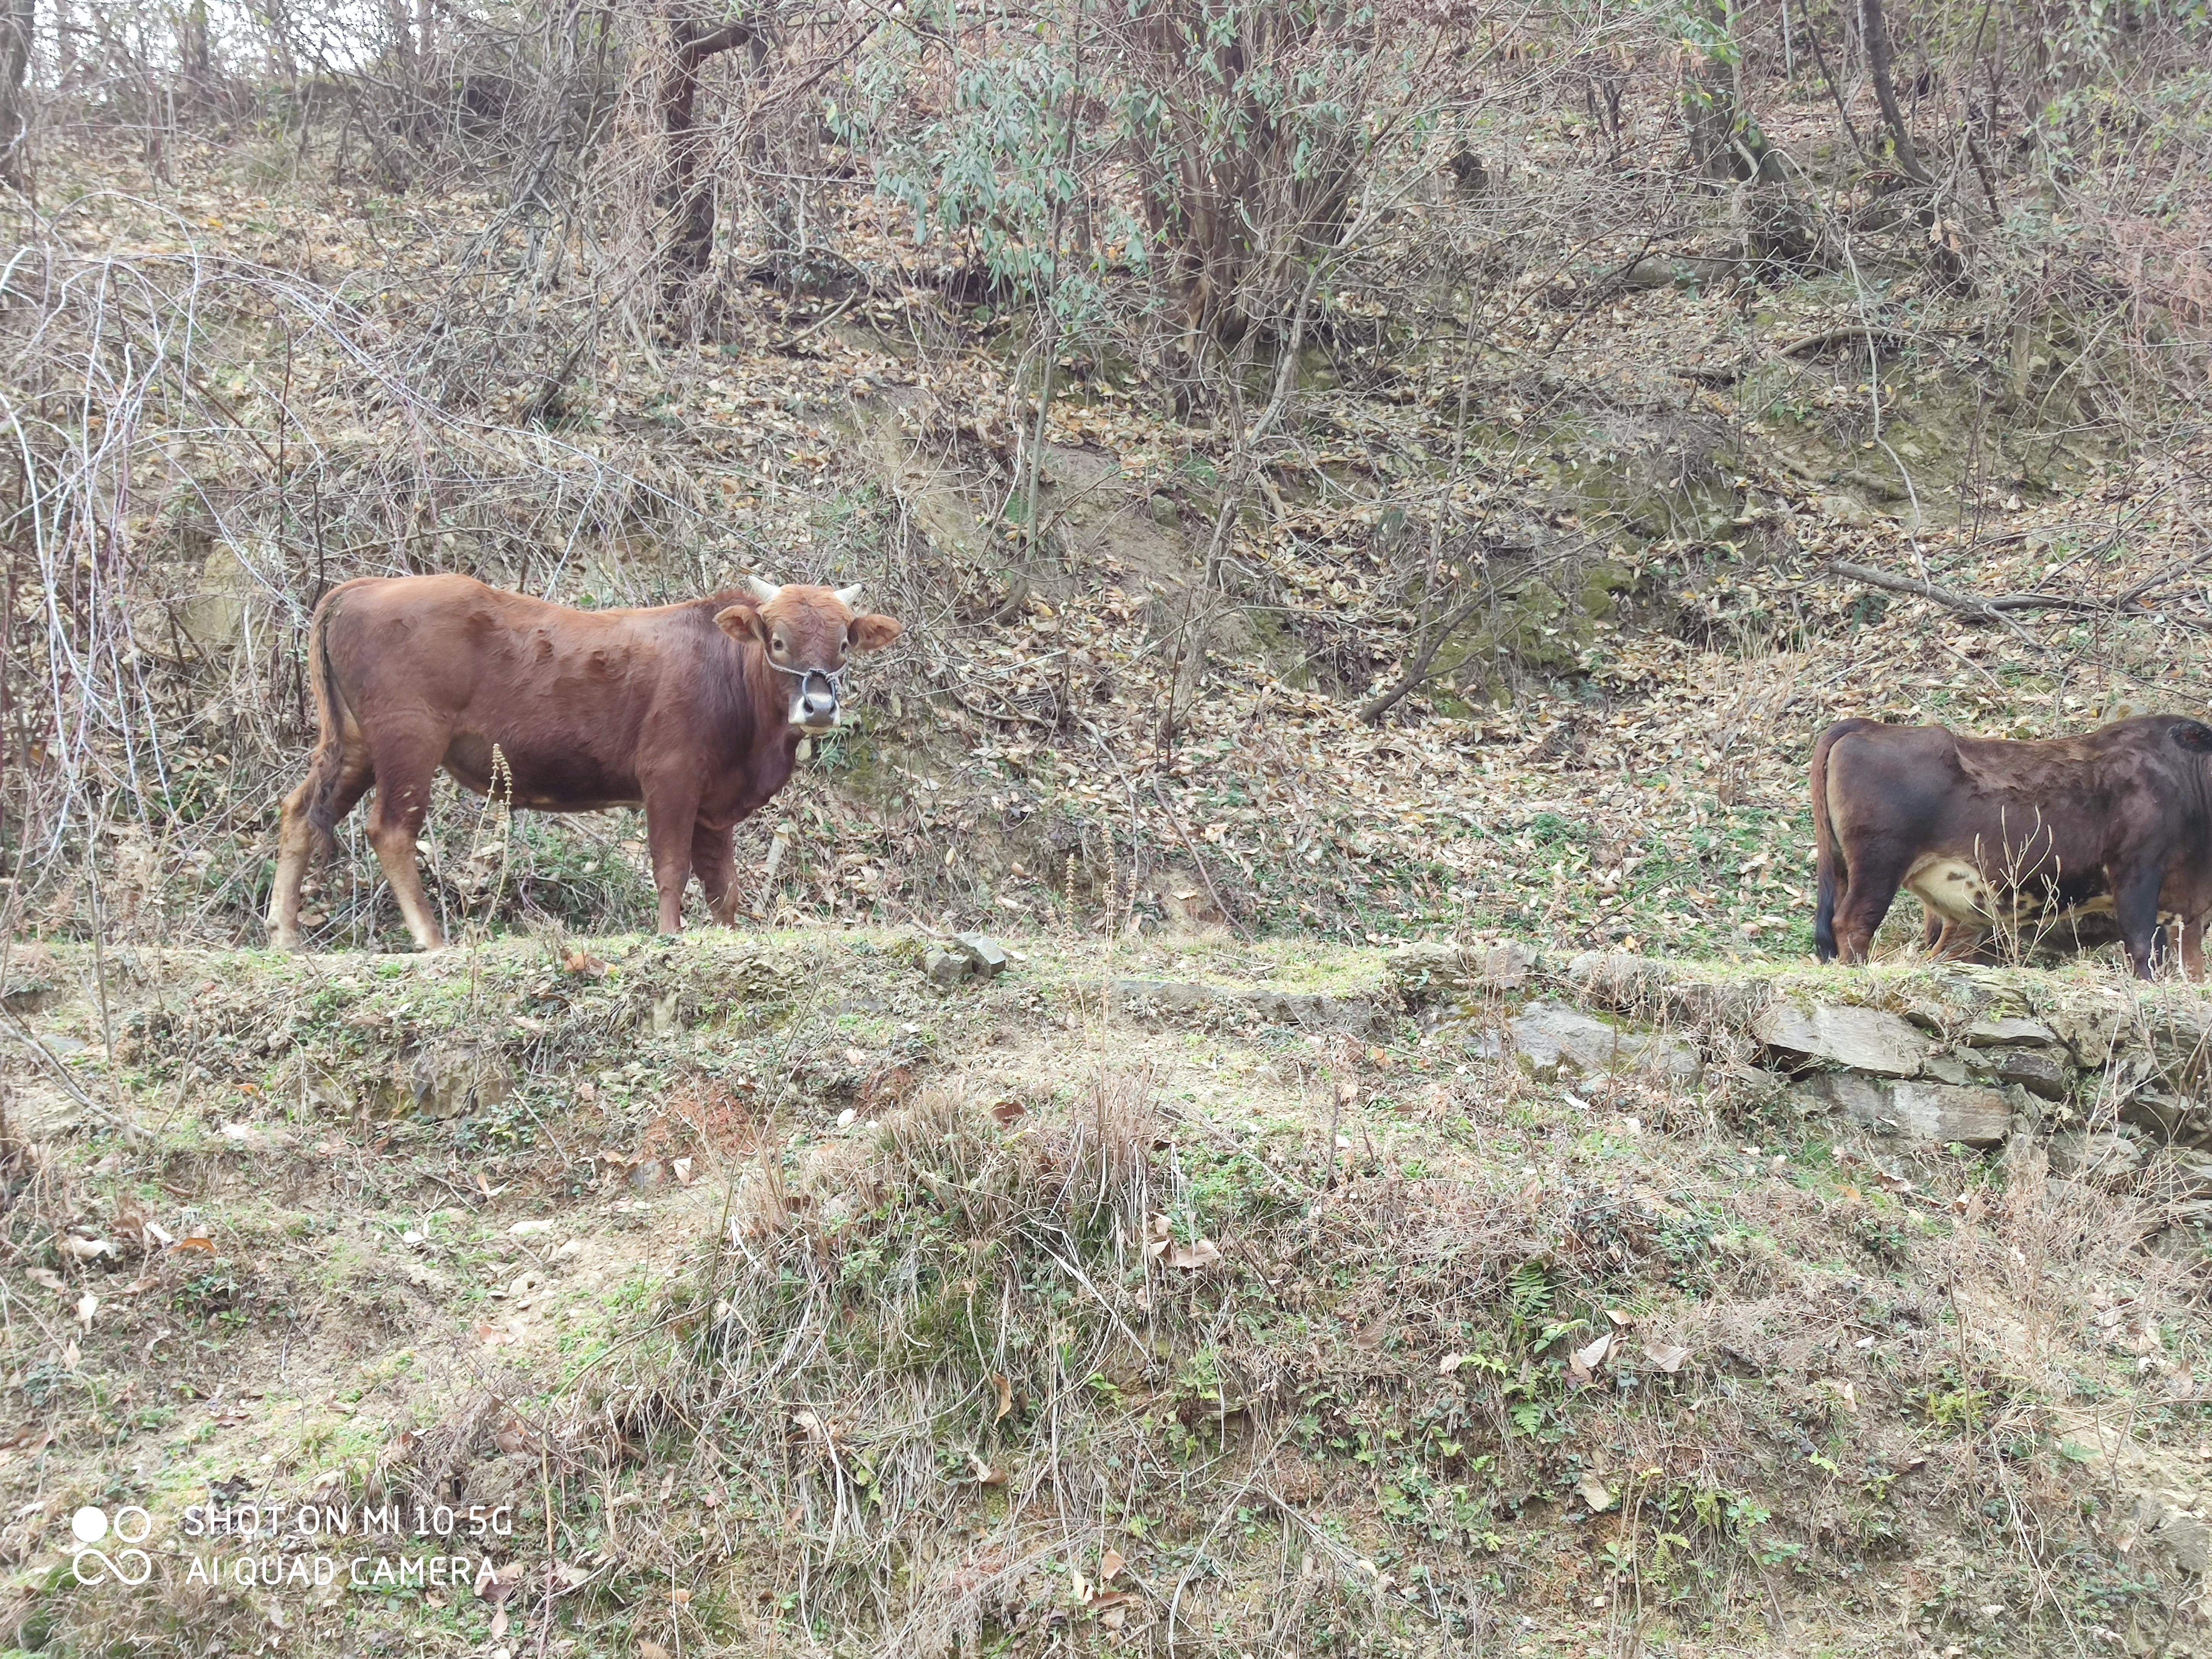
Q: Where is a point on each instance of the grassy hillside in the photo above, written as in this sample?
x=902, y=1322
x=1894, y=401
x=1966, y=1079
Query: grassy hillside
x=1381, y=504
x=793, y=1302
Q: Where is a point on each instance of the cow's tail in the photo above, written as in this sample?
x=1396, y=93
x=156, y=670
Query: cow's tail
x=1832, y=871
x=327, y=765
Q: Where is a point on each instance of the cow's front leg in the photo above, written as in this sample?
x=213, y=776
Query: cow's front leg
x=395, y=823
x=2192, y=948
x=670, y=820
x=715, y=856
x=2134, y=908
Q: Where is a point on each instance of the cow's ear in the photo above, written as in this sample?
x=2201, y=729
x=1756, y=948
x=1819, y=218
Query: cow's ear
x=2191, y=735
x=873, y=633
x=741, y=623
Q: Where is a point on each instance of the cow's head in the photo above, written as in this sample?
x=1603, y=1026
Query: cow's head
x=809, y=634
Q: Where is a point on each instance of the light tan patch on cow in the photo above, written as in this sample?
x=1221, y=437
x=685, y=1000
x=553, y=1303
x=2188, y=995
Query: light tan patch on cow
x=1952, y=889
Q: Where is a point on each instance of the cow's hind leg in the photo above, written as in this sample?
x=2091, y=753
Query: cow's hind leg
x=403, y=801
x=1873, y=884
x=1955, y=941
x=714, y=857
x=2192, y=948
x=334, y=785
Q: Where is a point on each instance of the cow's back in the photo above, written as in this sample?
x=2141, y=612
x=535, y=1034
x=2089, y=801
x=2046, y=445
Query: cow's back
x=569, y=700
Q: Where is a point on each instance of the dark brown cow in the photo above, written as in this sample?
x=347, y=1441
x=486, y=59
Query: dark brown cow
x=693, y=711
x=2076, y=838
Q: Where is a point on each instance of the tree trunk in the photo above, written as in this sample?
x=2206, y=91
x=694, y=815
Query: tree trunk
x=1875, y=30
x=1725, y=143
x=17, y=20
x=685, y=196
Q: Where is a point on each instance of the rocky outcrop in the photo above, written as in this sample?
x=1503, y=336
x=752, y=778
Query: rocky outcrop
x=1942, y=1112
x=1554, y=1041
x=1856, y=1039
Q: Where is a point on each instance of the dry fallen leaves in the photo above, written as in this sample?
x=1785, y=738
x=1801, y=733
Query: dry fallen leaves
x=1006, y=1392
x=1199, y=1253
x=983, y=1474
x=584, y=965
x=1667, y=1356
x=1582, y=1363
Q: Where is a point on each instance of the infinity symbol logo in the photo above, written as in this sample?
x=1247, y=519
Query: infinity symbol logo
x=91, y=1525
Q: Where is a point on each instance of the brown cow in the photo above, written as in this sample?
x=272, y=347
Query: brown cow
x=693, y=711
x=2093, y=835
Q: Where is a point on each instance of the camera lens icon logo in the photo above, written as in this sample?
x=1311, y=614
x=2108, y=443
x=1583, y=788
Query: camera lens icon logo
x=90, y=1526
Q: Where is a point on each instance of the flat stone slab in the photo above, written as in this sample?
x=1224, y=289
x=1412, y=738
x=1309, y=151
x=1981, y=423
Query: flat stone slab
x=2095, y=1156
x=1946, y=1115
x=1554, y=1041
x=2009, y=1032
x=1938, y=1112
x=1858, y=1039
x=1432, y=968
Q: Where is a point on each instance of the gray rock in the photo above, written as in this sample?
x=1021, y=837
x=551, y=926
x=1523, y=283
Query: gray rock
x=1935, y=1112
x=2034, y=1070
x=2087, y=1032
x=2189, y=1539
x=1165, y=512
x=1615, y=979
x=449, y=1084
x=1163, y=993
x=2095, y=1156
x=2165, y=1115
x=1424, y=970
x=1506, y=966
x=985, y=953
x=1858, y=1039
x=945, y=967
x=1555, y=1041
x=2192, y=1173
x=1946, y=1115
x=2009, y=1032
x=1946, y=1069
x=1859, y=1099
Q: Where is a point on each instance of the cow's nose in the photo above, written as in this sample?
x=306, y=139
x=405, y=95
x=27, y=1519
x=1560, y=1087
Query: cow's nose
x=819, y=708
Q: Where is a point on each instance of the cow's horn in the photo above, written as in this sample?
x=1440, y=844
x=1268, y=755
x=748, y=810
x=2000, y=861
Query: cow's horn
x=764, y=592
x=849, y=596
